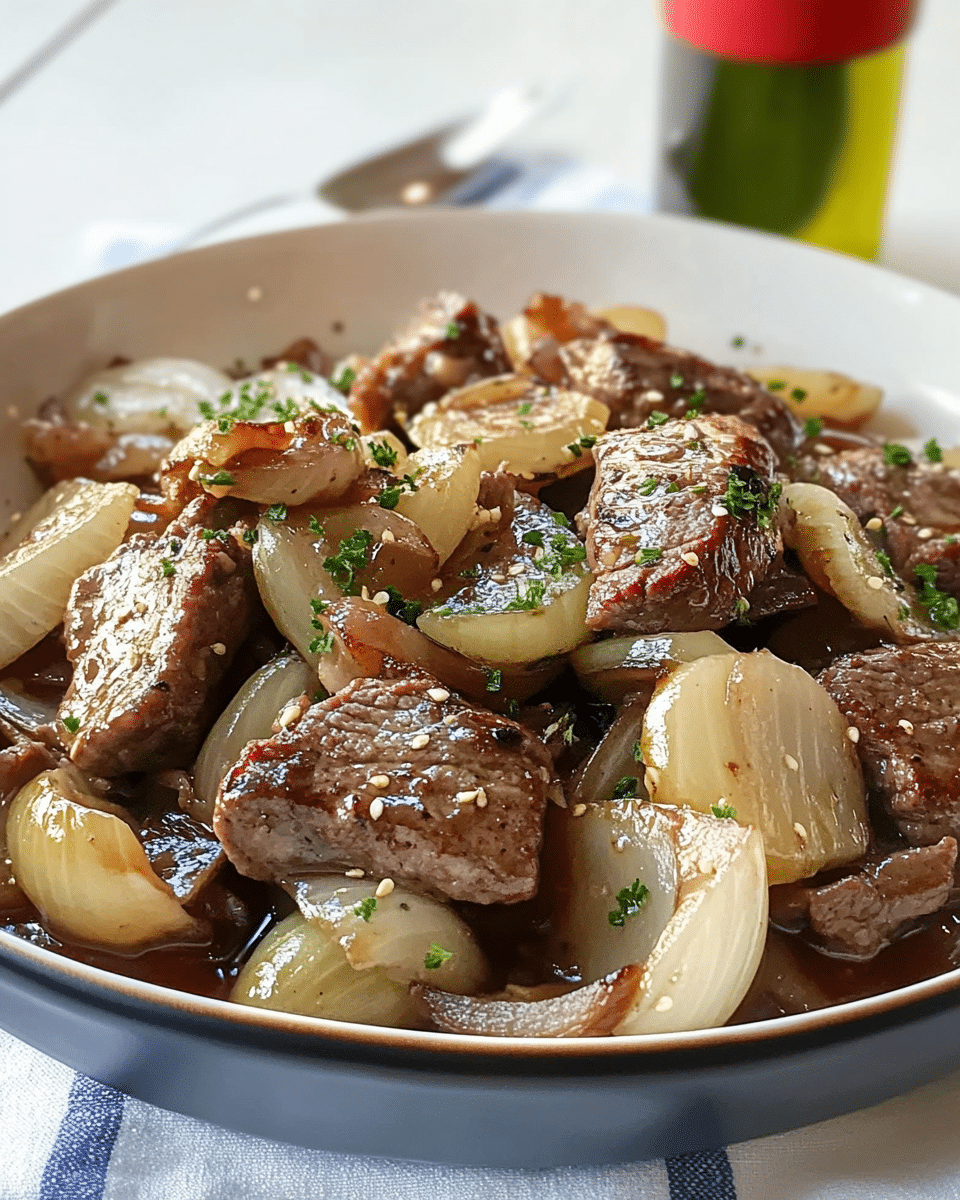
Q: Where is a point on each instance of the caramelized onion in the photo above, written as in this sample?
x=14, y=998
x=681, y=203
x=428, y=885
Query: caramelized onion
x=618, y=666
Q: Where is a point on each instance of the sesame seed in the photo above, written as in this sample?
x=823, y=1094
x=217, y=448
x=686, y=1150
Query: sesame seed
x=380, y=781
x=194, y=473
x=790, y=763
x=528, y=475
x=719, y=510
x=495, y=513
x=365, y=594
x=874, y=524
x=467, y=797
x=653, y=395
x=289, y=427
x=539, y=552
x=450, y=719
x=664, y=1004
x=226, y=563
x=875, y=582
x=355, y=873
x=438, y=694
x=254, y=294
x=481, y=798
x=907, y=519
x=907, y=726
x=925, y=533
x=421, y=740
x=381, y=598
x=436, y=585
x=517, y=568
x=388, y=536
x=289, y=716
x=799, y=830
x=608, y=558
x=821, y=448
x=384, y=888
x=219, y=648
x=853, y=733
x=376, y=808
x=692, y=559
x=578, y=810
x=497, y=577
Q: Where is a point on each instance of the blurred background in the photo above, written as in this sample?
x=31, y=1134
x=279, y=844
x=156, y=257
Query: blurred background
x=126, y=126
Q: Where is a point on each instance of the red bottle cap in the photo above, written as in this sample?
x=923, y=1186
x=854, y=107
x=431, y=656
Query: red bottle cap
x=789, y=31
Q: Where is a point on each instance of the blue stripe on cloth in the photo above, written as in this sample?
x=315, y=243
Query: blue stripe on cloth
x=706, y=1175
x=77, y=1166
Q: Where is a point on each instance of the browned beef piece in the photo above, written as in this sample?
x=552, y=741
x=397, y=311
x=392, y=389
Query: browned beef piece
x=151, y=633
x=59, y=447
x=783, y=590
x=20, y=762
x=305, y=352
x=634, y=376
x=666, y=551
x=398, y=778
x=450, y=344
x=926, y=497
x=858, y=915
x=905, y=702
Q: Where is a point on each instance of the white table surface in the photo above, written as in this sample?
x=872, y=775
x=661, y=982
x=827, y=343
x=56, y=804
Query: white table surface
x=169, y=112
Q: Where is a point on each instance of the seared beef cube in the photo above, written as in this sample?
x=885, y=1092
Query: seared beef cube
x=400, y=779
x=681, y=525
x=905, y=703
x=924, y=495
x=636, y=376
x=151, y=633
x=450, y=344
x=783, y=590
x=858, y=915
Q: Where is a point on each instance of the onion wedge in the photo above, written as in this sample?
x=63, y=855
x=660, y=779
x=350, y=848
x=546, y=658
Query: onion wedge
x=620, y=666
x=756, y=734
x=838, y=398
x=445, y=500
x=628, y=318
x=72, y=528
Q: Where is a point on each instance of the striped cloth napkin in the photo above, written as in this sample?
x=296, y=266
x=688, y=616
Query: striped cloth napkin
x=66, y=1137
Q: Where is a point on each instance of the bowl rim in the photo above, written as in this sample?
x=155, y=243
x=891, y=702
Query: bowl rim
x=230, y=1019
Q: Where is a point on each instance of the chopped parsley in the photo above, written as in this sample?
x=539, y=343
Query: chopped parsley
x=896, y=455
x=933, y=451
x=221, y=479
x=322, y=644
x=289, y=410
x=630, y=900
x=70, y=724
x=584, y=443
x=747, y=494
x=250, y=536
x=941, y=607
x=532, y=598
x=175, y=546
x=167, y=567
x=366, y=908
x=315, y=526
x=470, y=572
x=813, y=427
x=903, y=612
x=695, y=404
x=436, y=956
x=738, y=342
x=637, y=752
x=740, y=610
x=673, y=486
x=897, y=512
x=657, y=417
x=562, y=556
x=533, y=537
x=494, y=678
x=776, y=385
x=950, y=539
x=798, y=394
x=452, y=331
x=206, y=410
x=383, y=454
x=351, y=557
x=525, y=408
x=676, y=380
x=277, y=512
x=406, y=610
x=884, y=560
x=101, y=398
x=319, y=607
x=648, y=556
x=219, y=535
x=625, y=788
x=344, y=381
x=390, y=496
x=649, y=485
x=724, y=811
x=562, y=519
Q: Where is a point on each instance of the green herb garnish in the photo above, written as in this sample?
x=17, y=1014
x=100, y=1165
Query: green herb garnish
x=322, y=644
x=277, y=512
x=436, y=956
x=344, y=381
x=366, y=908
x=933, y=451
x=630, y=900
x=813, y=427
x=896, y=455
x=525, y=408
x=315, y=526
x=406, y=610
x=897, y=512
x=383, y=454
x=70, y=724
x=798, y=394
x=221, y=479
x=533, y=537
x=724, y=811
x=494, y=678
x=350, y=558
x=676, y=380
x=637, y=752
x=657, y=417
x=776, y=385
x=532, y=598
x=884, y=560
x=747, y=494
x=648, y=555
x=649, y=486
x=738, y=342
x=626, y=787
x=167, y=567
x=101, y=398
x=941, y=607
x=452, y=331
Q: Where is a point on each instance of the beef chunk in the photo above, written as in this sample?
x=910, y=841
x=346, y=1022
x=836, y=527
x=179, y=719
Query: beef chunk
x=905, y=702
x=450, y=344
x=20, y=762
x=634, y=376
x=150, y=633
x=668, y=547
x=401, y=779
x=783, y=590
x=926, y=497
x=860, y=914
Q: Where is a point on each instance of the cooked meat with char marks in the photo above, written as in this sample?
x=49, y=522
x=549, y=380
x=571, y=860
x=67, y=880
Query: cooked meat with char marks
x=663, y=490
x=928, y=528
x=858, y=914
x=460, y=792
x=905, y=702
x=151, y=633
x=783, y=590
x=634, y=376
x=425, y=362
